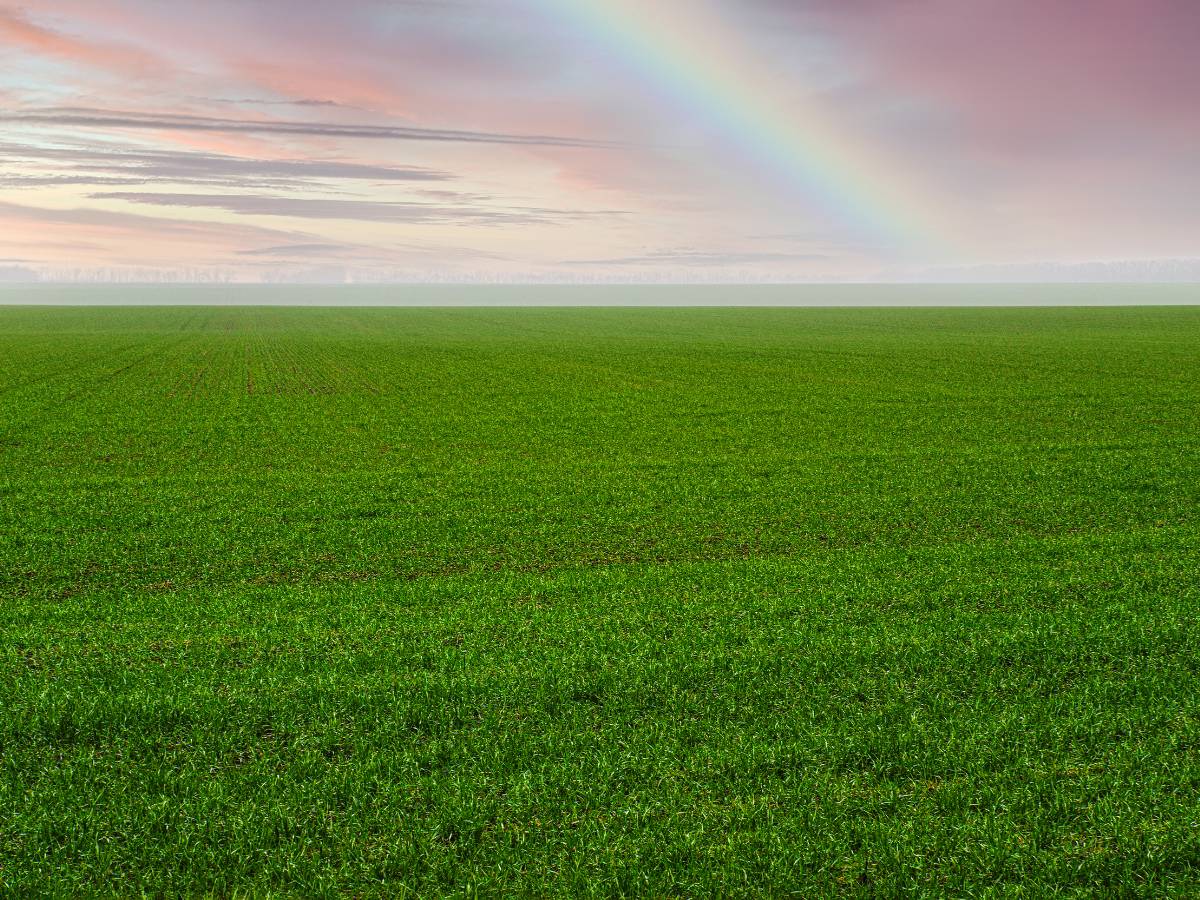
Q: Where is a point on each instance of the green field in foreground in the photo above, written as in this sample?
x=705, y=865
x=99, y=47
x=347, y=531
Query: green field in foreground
x=658, y=602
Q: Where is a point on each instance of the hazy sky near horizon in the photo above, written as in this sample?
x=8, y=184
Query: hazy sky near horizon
x=595, y=139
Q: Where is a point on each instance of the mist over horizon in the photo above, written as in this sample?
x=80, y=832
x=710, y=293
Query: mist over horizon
x=1114, y=273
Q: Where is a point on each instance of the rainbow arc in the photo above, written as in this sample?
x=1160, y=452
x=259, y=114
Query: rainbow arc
x=687, y=49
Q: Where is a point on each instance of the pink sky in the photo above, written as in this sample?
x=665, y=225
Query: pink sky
x=511, y=140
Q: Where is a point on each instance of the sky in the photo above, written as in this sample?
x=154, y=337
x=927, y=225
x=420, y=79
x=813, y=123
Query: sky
x=597, y=140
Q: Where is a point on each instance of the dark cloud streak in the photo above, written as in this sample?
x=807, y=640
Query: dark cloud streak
x=103, y=119
x=81, y=165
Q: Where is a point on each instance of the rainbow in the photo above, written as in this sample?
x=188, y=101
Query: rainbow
x=683, y=47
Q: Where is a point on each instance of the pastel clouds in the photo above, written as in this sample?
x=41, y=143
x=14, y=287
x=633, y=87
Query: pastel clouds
x=496, y=139
x=18, y=32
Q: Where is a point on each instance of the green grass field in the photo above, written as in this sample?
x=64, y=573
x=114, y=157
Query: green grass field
x=600, y=602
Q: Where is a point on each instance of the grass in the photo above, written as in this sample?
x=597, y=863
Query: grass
x=587, y=602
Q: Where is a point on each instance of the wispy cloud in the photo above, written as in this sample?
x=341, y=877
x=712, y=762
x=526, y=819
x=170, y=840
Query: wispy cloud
x=356, y=210
x=700, y=258
x=71, y=117
x=41, y=181
x=91, y=220
x=292, y=251
x=195, y=167
x=17, y=30
x=311, y=102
